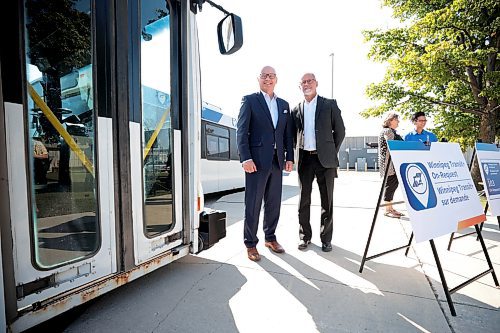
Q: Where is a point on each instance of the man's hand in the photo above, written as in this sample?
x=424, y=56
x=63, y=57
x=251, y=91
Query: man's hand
x=288, y=166
x=249, y=166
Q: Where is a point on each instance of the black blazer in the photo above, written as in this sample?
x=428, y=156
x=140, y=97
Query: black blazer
x=330, y=130
x=257, y=138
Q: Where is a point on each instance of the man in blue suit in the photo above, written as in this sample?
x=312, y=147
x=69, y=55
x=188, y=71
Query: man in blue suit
x=265, y=144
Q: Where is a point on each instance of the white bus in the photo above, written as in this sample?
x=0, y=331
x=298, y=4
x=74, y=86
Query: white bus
x=220, y=168
x=86, y=202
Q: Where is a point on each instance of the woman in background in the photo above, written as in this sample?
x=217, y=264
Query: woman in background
x=388, y=132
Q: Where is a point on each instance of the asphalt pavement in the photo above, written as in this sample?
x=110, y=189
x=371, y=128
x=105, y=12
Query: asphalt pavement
x=220, y=290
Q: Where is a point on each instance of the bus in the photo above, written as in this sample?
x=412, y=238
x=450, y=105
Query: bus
x=220, y=169
x=99, y=181
x=220, y=165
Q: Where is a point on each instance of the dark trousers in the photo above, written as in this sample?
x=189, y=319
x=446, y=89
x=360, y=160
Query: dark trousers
x=309, y=168
x=41, y=166
x=391, y=184
x=259, y=185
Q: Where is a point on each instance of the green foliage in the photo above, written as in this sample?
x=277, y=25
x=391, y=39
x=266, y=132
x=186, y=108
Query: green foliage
x=58, y=42
x=457, y=126
x=443, y=59
x=59, y=35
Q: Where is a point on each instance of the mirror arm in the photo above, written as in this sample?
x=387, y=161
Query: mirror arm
x=213, y=4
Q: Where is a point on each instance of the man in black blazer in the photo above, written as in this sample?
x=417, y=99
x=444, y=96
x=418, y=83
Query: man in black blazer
x=318, y=131
x=265, y=142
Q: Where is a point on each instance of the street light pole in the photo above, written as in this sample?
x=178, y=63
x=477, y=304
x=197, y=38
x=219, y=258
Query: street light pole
x=332, y=55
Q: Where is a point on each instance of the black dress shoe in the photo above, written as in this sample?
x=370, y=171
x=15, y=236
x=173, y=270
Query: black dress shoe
x=326, y=247
x=303, y=244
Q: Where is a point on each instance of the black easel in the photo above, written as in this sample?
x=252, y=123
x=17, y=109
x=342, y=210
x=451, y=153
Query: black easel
x=447, y=291
x=452, y=236
x=375, y=215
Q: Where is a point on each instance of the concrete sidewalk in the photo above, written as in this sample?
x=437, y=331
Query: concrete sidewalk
x=220, y=290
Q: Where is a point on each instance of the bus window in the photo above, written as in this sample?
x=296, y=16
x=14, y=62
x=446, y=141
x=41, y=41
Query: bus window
x=203, y=147
x=156, y=117
x=212, y=147
x=224, y=148
x=61, y=120
x=217, y=142
x=234, y=146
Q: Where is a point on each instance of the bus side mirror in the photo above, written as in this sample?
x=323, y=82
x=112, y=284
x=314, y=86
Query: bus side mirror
x=230, y=33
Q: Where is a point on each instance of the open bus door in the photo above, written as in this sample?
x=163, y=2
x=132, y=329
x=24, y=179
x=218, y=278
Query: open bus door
x=62, y=227
x=155, y=140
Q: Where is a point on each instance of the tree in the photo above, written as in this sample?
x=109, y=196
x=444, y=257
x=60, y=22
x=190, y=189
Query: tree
x=443, y=59
x=59, y=41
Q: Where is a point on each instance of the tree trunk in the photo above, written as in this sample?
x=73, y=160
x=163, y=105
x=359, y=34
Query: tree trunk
x=52, y=96
x=487, y=132
x=487, y=128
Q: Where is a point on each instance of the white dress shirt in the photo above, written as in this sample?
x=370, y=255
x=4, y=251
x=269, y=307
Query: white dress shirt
x=310, y=124
x=272, y=104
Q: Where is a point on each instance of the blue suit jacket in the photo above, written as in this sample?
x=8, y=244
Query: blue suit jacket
x=257, y=136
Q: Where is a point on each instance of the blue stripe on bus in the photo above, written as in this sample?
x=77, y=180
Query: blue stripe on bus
x=211, y=115
x=407, y=145
x=486, y=146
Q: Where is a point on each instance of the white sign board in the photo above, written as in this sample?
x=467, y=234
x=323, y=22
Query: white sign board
x=488, y=157
x=440, y=195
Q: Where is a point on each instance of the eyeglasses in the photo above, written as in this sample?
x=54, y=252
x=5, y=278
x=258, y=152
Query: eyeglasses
x=308, y=81
x=264, y=76
x=422, y=120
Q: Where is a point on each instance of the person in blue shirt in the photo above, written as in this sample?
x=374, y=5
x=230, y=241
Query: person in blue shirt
x=419, y=133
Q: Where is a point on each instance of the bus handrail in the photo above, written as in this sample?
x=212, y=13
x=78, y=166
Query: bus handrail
x=59, y=128
x=155, y=133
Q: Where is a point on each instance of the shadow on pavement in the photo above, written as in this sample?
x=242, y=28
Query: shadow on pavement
x=340, y=299
x=151, y=304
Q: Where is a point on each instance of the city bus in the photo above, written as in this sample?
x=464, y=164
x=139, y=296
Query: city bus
x=99, y=185
x=220, y=167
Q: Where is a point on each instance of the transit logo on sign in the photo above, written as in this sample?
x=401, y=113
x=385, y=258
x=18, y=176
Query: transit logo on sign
x=418, y=186
x=488, y=156
x=491, y=172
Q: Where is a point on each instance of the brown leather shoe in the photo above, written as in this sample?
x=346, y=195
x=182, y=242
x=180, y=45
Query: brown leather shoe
x=275, y=246
x=253, y=254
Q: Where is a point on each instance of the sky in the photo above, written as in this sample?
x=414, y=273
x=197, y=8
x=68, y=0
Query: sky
x=296, y=37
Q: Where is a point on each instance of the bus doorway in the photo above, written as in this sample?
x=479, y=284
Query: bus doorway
x=155, y=138
x=59, y=147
